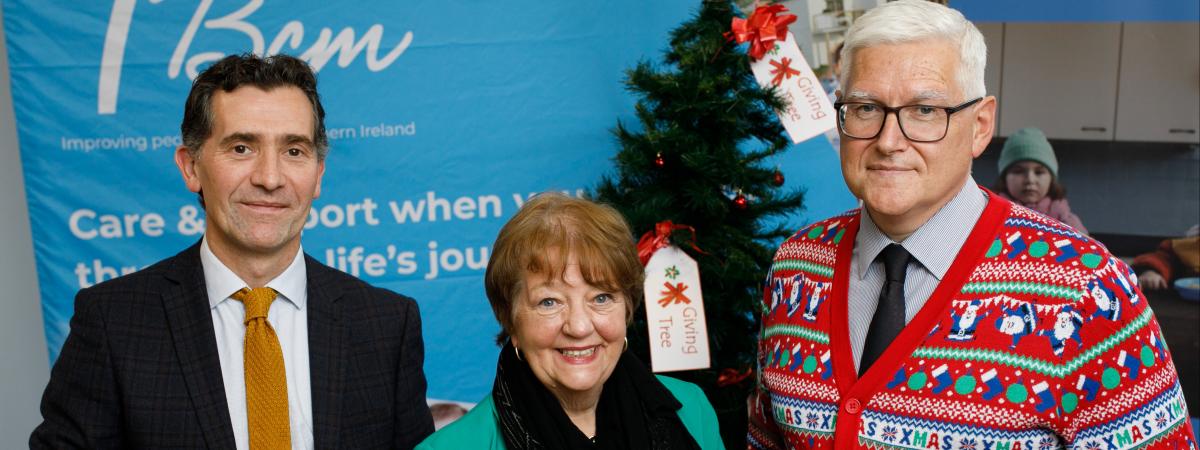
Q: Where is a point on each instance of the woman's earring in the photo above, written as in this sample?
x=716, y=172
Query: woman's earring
x=518, y=352
x=626, y=345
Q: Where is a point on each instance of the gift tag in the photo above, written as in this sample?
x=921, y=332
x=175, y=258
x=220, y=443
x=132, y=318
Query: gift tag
x=675, y=312
x=809, y=112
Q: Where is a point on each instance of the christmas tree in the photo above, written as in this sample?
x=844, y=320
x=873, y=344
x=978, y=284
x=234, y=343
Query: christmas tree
x=700, y=157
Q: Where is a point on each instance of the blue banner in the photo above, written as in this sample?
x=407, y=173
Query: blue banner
x=443, y=117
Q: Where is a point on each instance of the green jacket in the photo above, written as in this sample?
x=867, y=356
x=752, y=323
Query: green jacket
x=478, y=428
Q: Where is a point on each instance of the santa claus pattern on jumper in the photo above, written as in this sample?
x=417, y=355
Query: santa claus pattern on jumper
x=1036, y=338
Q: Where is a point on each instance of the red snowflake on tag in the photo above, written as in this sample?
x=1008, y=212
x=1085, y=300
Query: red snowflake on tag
x=673, y=294
x=782, y=70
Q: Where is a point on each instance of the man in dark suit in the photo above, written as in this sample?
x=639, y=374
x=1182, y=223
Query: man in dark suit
x=242, y=341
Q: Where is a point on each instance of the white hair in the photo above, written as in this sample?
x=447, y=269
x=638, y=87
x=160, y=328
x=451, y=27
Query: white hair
x=905, y=21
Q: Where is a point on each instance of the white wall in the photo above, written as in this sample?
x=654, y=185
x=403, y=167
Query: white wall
x=23, y=359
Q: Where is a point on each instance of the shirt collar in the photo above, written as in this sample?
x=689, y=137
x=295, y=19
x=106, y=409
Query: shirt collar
x=221, y=282
x=936, y=242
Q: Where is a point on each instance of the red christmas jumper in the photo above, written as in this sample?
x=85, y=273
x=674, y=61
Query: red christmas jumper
x=1035, y=338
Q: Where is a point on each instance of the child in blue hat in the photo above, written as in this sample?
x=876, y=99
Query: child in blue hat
x=1029, y=176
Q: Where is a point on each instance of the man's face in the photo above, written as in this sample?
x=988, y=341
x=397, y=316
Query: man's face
x=258, y=170
x=903, y=183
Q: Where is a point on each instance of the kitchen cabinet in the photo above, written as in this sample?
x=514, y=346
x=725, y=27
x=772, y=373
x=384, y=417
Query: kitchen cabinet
x=1060, y=77
x=1158, y=98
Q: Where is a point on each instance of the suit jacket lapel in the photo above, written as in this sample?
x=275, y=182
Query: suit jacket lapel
x=185, y=301
x=328, y=338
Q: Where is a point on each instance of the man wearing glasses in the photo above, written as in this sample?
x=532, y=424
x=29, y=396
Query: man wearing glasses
x=955, y=319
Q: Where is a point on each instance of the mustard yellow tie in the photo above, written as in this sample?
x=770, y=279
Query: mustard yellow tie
x=266, y=380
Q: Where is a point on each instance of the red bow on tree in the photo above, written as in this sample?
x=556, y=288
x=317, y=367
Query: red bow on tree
x=762, y=29
x=659, y=238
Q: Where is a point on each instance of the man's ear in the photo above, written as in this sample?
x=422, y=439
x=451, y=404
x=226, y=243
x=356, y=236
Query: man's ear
x=985, y=125
x=187, y=168
x=320, y=175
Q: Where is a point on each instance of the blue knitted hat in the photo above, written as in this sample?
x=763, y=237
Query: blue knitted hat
x=1028, y=144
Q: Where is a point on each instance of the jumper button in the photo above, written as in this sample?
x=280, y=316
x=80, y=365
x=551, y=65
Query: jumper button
x=853, y=406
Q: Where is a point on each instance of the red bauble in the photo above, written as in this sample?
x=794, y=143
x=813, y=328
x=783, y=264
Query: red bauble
x=730, y=376
x=740, y=201
x=659, y=161
x=778, y=180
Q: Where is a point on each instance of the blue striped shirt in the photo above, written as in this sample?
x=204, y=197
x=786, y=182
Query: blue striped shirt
x=933, y=247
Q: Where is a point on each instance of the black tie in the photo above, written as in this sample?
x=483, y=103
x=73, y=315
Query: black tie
x=889, y=315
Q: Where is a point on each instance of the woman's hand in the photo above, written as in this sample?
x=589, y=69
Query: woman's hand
x=1152, y=280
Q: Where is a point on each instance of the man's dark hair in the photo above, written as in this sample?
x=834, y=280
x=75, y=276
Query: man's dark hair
x=235, y=71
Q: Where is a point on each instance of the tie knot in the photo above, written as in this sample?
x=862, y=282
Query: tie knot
x=895, y=262
x=257, y=301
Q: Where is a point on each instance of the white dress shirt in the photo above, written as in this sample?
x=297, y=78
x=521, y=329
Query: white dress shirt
x=933, y=248
x=288, y=316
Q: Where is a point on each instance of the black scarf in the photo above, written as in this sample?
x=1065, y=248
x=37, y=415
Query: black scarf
x=635, y=411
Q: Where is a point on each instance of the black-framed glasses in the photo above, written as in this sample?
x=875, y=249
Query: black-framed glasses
x=919, y=123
